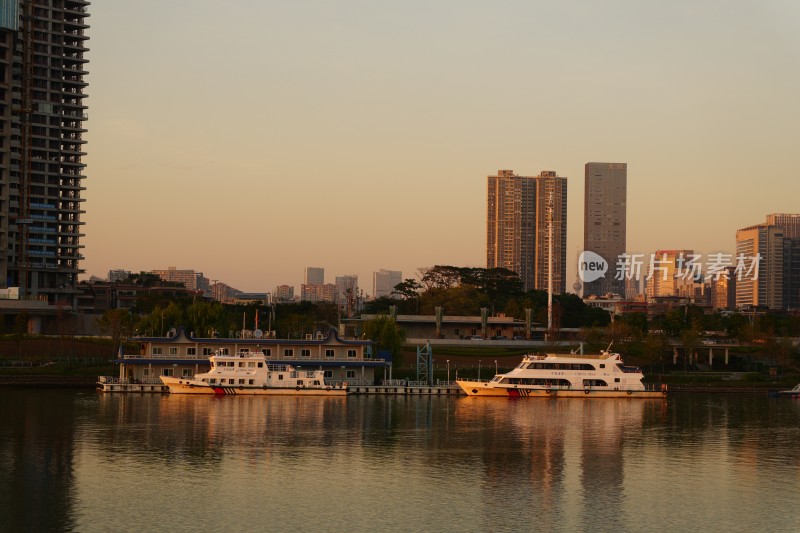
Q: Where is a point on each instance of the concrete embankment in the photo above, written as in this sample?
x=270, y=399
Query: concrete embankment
x=9, y=380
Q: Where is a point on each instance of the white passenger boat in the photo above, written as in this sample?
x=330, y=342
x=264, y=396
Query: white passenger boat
x=793, y=392
x=251, y=373
x=567, y=376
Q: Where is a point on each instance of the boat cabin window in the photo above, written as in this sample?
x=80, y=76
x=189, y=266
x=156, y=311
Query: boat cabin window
x=602, y=365
x=280, y=377
x=251, y=364
x=241, y=364
x=316, y=382
x=616, y=380
x=299, y=382
x=241, y=382
x=260, y=364
x=231, y=363
x=250, y=382
x=212, y=380
x=231, y=381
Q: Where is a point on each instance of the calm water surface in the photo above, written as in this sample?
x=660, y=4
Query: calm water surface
x=83, y=461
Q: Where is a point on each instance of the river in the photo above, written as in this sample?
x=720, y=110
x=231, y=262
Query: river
x=77, y=460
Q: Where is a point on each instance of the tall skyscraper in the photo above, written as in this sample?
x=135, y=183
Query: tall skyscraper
x=511, y=225
x=42, y=66
x=767, y=290
x=551, y=201
x=314, y=276
x=518, y=210
x=605, y=221
x=384, y=281
x=790, y=224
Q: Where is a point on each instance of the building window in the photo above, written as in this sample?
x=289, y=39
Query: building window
x=351, y=353
x=328, y=352
x=457, y=332
x=157, y=350
x=266, y=351
x=146, y=372
x=191, y=352
x=208, y=351
x=305, y=353
x=186, y=372
x=288, y=352
x=351, y=373
x=328, y=373
x=223, y=351
x=167, y=372
x=173, y=350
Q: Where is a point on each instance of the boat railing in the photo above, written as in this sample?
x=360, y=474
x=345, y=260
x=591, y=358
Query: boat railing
x=125, y=381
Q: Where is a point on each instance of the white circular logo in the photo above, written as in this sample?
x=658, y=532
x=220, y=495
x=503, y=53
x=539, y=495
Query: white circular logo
x=591, y=266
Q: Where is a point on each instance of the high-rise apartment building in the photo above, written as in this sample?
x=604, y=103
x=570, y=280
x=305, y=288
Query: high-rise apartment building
x=519, y=210
x=314, y=276
x=767, y=289
x=384, y=282
x=789, y=223
x=605, y=221
x=551, y=203
x=284, y=293
x=42, y=69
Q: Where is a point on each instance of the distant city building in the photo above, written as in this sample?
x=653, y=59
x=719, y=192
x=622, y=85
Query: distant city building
x=326, y=292
x=191, y=280
x=518, y=210
x=675, y=273
x=723, y=290
x=118, y=275
x=284, y=293
x=314, y=276
x=384, y=282
x=790, y=224
x=605, y=221
x=767, y=290
x=42, y=124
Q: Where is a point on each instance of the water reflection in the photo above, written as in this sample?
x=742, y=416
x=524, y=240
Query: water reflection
x=89, y=462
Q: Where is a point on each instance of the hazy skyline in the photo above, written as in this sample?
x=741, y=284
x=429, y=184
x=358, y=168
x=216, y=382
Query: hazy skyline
x=248, y=140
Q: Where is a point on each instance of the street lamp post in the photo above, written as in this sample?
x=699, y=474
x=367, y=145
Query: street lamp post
x=448, y=371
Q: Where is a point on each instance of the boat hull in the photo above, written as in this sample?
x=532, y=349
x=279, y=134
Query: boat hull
x=489, y=389
x=183, y=386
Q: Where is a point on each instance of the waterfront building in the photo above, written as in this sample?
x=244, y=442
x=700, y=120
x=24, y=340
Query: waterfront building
x=182, y=354
x=518, y=210
x=42, y=114
x=767, y=290
x=605, y=221
x=384, y=282
x=314, y=276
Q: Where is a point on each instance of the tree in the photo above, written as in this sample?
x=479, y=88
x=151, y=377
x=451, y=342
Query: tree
x=118, y=324
x=383, y=331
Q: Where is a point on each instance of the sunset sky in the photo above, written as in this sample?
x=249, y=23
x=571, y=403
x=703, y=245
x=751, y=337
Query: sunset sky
x=250, y=139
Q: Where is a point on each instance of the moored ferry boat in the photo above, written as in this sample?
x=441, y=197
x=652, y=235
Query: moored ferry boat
x=251, y=373
x=567, y=376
